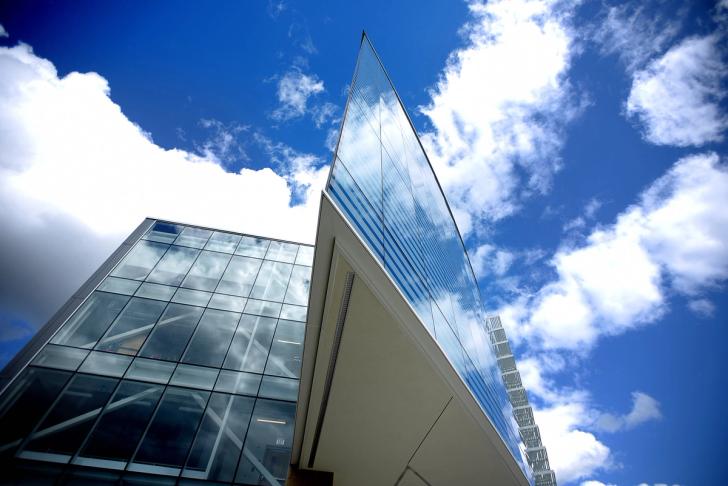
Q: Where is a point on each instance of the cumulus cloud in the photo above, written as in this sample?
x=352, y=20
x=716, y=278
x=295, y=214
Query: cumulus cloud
x=593, y=482
x=76, y=176
x=486, y=260
x=294, y=90
x=499, y=108
x=702, y=307
x=644, y=409
x=675, y=237
x=677, y=98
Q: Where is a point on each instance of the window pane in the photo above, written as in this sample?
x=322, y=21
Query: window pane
x=268, y=443
x=174, y=266
x=216, y=449
x=212, y=338
x=282, y=252
x=262, y=308
x=73, y=415
x=163, y=232
x=192, y=297
x=194, y=237
x=279, y=388
x=173, y=427
x=294, y=313
x=119, y=285
x=206, y=271
x=60, y=357
x=299, y=285
x=227, y=302
x=91, y=320
x=225, y=242
x=194, y=376
x=238, y=382
x=285, y=354
x=171, y=334
x=140, y=260
x=239, y=276
x=123, y=422
x=106, y=364
x=253, y=247
x=25, y=402
x=156, y=291
x=127, y=334
x=150, y=370
x=272, y=281
x=305, y=256
x=249, y=349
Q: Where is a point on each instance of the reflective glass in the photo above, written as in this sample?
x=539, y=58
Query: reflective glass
x=282, y=252
x=215, y=452
x=60, y=357
x=72, y=416
x=194, y=237
x=279, y=388
x=262, y=308
x=171, y=334
x=249, y=349
x=173, y=267
x=272, y=281
x=91, y=320
x=305, y=255
x=239, y=276
x=163, y=232
x=191, y=297
x=238, y=382
x=128, y=332
x=156, y=291
x=106, y=364
x=206, y=271
x=267, y=451
x=287, y=349
x=298, y=287
x=227, y=302
x=194, y=376
x=293, y=313
x=253, y=247
x=212, y=338
x=150, y=370
x=119, y=286
x=123, y=421
x=173, y=427
x=140, y=260
x=224, y=242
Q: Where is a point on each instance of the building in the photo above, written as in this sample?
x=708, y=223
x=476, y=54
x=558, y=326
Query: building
x=195, y=355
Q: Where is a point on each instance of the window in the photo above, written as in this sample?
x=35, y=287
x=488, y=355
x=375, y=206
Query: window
x=206, y=271
x=163, y=232
x=128, y=332
x=119, y=286
x=305, y=255
x=212, y=338
x=140, y=260
x=224, y=242
x=285, y=354
x=253, y=247
x=91, y=320
x=297, y=292
x=239, y=276
x=173, y=267
x=60, y=357
x=251, y=343
x=272, y=281
x=171, y=334
x=282, y=252
x=279, y=388
x=106, y=364
x=194, y=237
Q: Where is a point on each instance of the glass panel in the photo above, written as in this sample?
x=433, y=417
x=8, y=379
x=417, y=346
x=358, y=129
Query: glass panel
x=285, y=354
x=282, y=252
x=262, y=308
x=192, y=297
x=239, y=276
x=150, y=370
x=131, y=328
x=194, y=237
x=156, y=291
x=206, y=271
x=305, y=256
x=123, y=422
x=267, y=451
x=106, y=364
x=140, y=260
x=272, y=281
x=171, y=334
x=212, y=338
x=91, y=320
x=293, y=312
x=252, y=247
x=25, y=402
x=171, y=432
x=119, y=286
x=298, y=287
x=194, y=376
x=225, y=242
x=60, y=357
x=163, y=232
x=215, y=452
x=227, y=302
x=250, y=346
x=73, y=415
x=173, y=267
x=279, y=388
x=238, y=382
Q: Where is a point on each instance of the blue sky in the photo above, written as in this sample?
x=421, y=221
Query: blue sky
x=581, y=146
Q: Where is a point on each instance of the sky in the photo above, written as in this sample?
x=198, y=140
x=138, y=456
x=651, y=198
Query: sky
x=581, y=145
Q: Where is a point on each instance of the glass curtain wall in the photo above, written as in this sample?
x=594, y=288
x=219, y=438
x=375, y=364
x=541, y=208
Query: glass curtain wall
x=384, y=185
x=183, y=362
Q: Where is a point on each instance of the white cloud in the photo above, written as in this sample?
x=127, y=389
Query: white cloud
x=702, y=307
x=676, y=236
x=487, y=260
x=294, y=90
x=677, y=98
x=3, y=32
x=76, y=176
x=644, y=409
x=499, y=108
x=593, y=482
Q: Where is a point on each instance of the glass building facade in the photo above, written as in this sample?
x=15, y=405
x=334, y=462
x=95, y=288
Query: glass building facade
x=384, y=185
x=182, y=364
